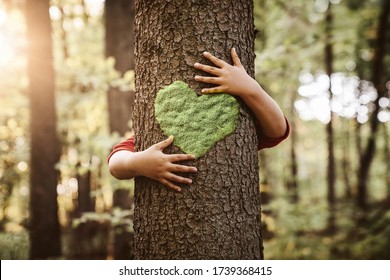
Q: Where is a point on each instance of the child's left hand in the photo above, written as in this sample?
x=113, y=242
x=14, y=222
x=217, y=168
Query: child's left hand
x=232, y=79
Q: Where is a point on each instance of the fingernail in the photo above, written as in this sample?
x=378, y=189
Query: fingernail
x=205, y=53
x=194, y=169
x=196, y=64
x=189, y=181
x=196, y=77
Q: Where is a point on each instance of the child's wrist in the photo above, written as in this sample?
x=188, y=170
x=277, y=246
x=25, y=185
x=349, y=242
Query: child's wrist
x=135, y=162
x=252, y=92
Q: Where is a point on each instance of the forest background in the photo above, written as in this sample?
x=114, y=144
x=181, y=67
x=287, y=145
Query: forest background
x=325, y=190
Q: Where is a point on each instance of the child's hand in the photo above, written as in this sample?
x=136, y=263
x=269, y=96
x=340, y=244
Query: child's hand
x=232, y=79
x=154, y=164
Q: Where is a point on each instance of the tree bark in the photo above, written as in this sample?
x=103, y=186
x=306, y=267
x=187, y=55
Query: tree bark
x=45, y=147
x=218, y=216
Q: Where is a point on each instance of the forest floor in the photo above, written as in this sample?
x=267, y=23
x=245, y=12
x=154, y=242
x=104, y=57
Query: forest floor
x=352, y=236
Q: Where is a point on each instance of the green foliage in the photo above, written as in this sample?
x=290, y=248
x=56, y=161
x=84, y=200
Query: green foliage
x=290, y=42
x=301, y=231
x=89, y=236
x=14, y=122
x=14, y=246
x=83, y=78
x=366, y=239
x=118, y=217
x=196, y=122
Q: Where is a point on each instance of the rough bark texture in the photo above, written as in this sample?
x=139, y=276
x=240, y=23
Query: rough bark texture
x=45, y=149
x=218, y=216
x=119, y=42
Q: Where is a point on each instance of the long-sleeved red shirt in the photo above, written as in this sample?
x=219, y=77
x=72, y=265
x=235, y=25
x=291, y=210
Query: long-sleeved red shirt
x=264, y=141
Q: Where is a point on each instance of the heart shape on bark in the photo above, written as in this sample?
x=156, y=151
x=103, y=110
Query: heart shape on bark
x=196, y=122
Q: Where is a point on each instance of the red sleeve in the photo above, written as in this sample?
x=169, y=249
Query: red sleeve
x=126, y=145
x=266, y=142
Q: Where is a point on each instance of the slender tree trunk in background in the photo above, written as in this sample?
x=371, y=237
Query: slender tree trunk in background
x=119, y=42
x=293, y=181
x=358, y=136
x=85, y=203
x=45, y=235
x=379, y=83
x=346, y=161
x=331, y=171
x=387, y=161
x=119, y=23
x=218, y=216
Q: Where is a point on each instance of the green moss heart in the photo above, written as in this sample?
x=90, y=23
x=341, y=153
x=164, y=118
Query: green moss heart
x=196, y=122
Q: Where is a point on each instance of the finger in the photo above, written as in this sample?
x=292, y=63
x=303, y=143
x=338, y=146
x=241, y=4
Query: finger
x=178, y=179
x=208, y=69
x=170, y=185
x=235, y=58
x=182, y=168
x=209, y=80
x=218, y=62
x=163, y=144
x=180, y=157
x=213, y=90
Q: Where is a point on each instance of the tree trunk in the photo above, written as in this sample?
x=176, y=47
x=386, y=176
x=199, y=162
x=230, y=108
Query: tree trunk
x=331, y=171
x=329, y=127
x=379, y=83
x=45, y=147
x=119, y=23
x=346, y=161
x=218, y=216
x=292, y=182
x=119, y=42
x=387, y=161
x=84, y=201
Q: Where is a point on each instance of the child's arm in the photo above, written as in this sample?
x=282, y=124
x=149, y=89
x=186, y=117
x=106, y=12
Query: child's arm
x=151, y=163
x=234, y=79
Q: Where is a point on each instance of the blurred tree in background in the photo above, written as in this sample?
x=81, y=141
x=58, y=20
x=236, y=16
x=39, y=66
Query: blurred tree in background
x=44, y=144
x=302, y=218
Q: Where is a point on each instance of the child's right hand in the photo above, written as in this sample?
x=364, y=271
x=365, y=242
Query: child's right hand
x=154, y=164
